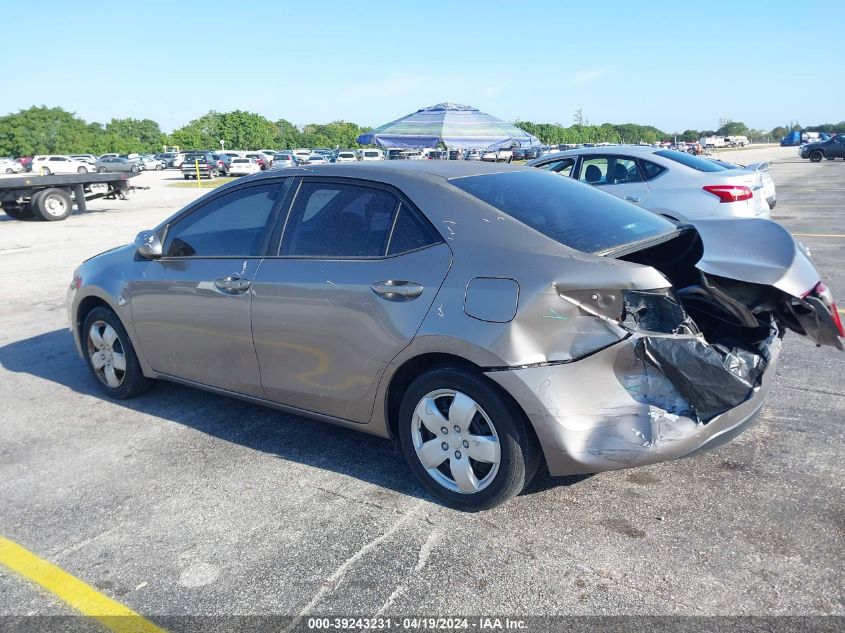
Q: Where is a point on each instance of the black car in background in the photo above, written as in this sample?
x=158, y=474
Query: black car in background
x=200, y=164
x=832, y=148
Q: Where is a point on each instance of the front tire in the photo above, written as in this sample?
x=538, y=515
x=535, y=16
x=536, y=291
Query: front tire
x=466, y=442
x=82, y=170
x=815, y=156
x=111, y=356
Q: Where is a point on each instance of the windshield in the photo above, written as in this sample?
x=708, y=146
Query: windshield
x=572, y=213
x=700, y=164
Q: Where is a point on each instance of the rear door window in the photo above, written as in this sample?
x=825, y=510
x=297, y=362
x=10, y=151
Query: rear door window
x=609, y=170
x=339, y=220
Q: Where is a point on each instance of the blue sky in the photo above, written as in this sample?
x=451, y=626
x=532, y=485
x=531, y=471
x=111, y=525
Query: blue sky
x=675, y=65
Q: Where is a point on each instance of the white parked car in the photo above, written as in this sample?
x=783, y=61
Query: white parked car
x=283, y=160
x=317, y=159
x=301, y=155
x=88, y=158
x=51, y=164
x=672, y=183
x=346, y=156
x=376, y=154
x=243, y=167
x=8, y=166
x=769, y=191
x=148, y=163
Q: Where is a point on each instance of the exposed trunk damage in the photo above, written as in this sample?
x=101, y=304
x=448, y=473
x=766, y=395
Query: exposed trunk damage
x=693, y=362
x=736, y=318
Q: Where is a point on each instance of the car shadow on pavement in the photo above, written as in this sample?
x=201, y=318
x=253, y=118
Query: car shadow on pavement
x=51, y=356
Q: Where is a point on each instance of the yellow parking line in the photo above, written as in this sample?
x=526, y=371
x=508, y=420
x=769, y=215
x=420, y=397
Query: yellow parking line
x=79, y=595
x=819, y=234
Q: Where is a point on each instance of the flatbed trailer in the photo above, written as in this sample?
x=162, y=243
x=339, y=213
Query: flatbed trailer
x=31, y=196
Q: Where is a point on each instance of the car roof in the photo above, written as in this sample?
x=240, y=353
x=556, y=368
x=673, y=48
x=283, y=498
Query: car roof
x=629, y=150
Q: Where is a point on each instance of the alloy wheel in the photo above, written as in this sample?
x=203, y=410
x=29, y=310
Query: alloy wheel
x=105, y=352
x=455, y=441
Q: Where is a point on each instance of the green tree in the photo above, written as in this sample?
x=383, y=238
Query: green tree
x=238, y=129
x=43, y=130
x=690, y=136
x=287, y=135
x=134, y=135
x=733, y=128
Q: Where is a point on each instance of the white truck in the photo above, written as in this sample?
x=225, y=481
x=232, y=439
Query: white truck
x=737, y=141
x=712, y=142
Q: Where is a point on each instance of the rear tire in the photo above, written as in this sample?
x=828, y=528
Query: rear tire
x=101, y=170
x=815, y=156
x=489, y=454
x=52, y=204
x=45, y=171
x=111, y=356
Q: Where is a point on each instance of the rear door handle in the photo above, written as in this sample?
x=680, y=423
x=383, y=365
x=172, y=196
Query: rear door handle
x=397, y=290
x=232, y=285
x=632, y=198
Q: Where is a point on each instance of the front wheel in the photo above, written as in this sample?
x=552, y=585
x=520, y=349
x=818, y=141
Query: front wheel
x=110, y=355
x=135, y=169
x=815, y=157
x=101, y=170
x=82, y=170
x=466, y=442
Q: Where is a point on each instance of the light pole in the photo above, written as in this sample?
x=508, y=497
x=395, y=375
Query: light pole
x=222, y=144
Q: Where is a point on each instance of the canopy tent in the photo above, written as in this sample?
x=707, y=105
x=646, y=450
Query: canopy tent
x=451, y=124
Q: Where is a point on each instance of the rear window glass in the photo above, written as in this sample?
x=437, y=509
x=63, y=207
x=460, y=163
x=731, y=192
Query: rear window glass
x=574, y=214
x=652, y=170
x=700, y=164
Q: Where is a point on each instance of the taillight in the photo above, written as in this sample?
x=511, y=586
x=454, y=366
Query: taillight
x=730, y=193
x=826, y=296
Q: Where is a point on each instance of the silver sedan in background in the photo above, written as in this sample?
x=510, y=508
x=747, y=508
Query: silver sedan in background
x=117, y=164
x=486, y=316
x=672, y=183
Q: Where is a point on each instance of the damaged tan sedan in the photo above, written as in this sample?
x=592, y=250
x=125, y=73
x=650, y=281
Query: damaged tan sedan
x=486, y=316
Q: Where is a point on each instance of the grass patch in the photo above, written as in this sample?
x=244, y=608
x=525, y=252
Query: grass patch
x=203, y=184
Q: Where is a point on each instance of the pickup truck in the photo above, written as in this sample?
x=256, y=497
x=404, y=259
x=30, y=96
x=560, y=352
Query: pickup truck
x=832, y=148
x=202, y=162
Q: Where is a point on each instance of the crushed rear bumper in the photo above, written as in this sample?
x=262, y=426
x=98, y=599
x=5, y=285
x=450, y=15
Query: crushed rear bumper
x=616, y=409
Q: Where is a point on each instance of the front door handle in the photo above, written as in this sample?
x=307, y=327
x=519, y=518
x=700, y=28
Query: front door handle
x=632, y=198
x=232, y=285
x=397, y=290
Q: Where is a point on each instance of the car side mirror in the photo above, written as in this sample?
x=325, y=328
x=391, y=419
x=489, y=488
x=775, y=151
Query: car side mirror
x=148, y=245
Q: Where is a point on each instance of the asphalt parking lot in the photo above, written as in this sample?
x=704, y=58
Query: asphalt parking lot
x=185, y=503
